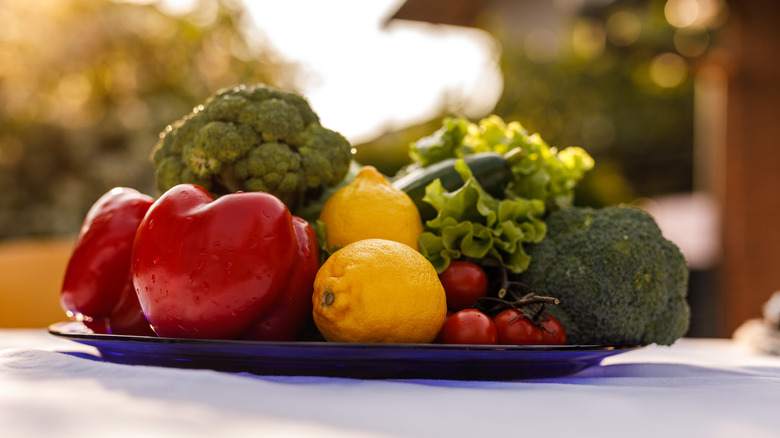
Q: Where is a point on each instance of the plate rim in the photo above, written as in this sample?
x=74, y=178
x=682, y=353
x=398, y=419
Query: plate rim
x=344, y=360
x=66, y=329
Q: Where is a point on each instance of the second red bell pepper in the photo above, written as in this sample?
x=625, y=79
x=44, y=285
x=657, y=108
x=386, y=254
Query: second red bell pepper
x=97, y=288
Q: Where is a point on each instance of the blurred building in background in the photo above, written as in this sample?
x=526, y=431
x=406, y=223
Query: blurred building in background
x=744, y=176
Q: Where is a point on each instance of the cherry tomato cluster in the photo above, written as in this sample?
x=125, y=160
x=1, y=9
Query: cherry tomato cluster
x=465, y=283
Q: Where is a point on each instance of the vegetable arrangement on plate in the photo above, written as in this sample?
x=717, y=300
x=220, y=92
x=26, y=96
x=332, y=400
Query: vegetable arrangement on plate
x=265, y=228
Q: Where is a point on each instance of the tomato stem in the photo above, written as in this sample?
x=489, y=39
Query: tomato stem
x=526, y=301
x=515, y=294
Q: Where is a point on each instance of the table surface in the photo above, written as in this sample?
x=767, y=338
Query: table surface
x=53, y=387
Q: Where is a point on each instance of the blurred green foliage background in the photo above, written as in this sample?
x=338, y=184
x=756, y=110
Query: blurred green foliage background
x=86, y=86
x=618, y=87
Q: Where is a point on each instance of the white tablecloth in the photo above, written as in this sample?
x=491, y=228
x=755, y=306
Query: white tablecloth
x=51, y=387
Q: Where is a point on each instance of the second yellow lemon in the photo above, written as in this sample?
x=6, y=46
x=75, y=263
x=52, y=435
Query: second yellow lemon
x=378, y=291
x=370, y=208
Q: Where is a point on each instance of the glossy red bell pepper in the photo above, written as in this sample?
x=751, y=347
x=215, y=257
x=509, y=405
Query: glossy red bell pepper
x=97, y=288
x=293, y=310
x=239, y=267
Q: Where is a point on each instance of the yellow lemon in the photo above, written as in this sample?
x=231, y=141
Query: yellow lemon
x=378, y=291
x=370, y=208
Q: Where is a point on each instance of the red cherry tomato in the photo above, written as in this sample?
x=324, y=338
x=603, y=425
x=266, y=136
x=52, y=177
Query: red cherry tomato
x=468, y=326
x=515, y=329
x=464, y=283
x=554, y=334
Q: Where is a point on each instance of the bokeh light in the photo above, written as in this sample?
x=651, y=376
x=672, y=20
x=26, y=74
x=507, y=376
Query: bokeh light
x=681, y=13
x=700, y=13
x=668, y=70
x=623, y=28
x=588, y=38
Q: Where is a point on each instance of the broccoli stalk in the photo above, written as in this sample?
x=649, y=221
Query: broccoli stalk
x=253, y=139
x=619, y=281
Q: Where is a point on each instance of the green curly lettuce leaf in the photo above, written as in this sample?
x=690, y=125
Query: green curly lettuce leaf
x=539, y=171
x=544, y=173
x=443, y=144
x=473, y=224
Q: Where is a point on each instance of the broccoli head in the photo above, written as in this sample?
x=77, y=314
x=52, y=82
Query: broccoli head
x=620, y=282
x=253, y=139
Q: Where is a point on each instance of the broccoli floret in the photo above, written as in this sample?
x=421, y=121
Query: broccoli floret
x=620, y=282
x=253, y=139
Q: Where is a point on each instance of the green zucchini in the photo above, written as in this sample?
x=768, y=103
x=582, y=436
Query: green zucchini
x=490, y=169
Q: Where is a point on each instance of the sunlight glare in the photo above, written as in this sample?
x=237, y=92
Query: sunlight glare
x=363, y=77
